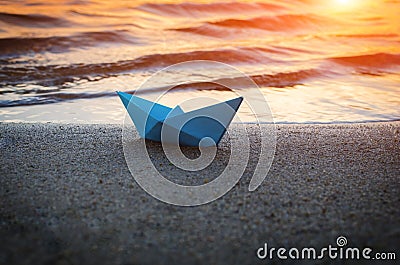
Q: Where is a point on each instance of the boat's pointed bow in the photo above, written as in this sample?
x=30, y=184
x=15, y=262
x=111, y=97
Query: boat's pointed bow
x=125, y=98
x=235, y=103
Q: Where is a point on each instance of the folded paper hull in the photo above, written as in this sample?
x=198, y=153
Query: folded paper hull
x=163, y=124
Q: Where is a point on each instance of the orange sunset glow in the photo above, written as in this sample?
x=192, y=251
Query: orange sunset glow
x=296, y=51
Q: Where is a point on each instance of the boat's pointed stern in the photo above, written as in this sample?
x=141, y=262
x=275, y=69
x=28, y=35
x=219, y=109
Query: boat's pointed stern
x=125, y=98
x=235, y=103
x=138, y=113
x=228, y=117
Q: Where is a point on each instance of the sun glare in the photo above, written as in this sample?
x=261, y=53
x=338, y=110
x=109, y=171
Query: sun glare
x=348, y=3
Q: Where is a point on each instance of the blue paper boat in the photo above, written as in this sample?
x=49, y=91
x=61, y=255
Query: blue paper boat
x=189, y=128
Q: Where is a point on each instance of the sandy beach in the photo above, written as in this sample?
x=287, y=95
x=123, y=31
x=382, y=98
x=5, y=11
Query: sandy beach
x=67, y=197
x=327, y=72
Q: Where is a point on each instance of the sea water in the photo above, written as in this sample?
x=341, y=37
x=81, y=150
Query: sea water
x=314, y=60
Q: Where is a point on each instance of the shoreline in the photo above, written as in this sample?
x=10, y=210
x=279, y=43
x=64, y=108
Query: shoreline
x=68, y=197
x=98, y=122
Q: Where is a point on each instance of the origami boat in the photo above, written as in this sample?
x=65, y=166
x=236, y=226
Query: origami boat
x=184, y=128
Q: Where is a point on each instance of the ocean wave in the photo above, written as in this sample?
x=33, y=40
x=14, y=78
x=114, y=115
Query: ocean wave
x=288, y=79
x=33, y=20
x=51, y=98
x=53, y=3
x=57, y=75
x=96, y=15
x=18, y=46
x=367, y=36
x=377, y=60
x=60, y=75
x=286, y=23
x=370, y=19
x=280, y=80
x=193, y=9
x=272, y=23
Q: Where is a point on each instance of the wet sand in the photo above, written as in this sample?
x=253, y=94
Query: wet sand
x=67, y=197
